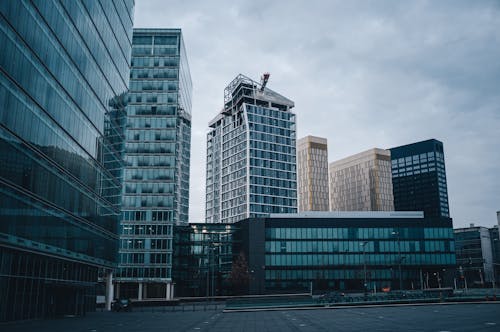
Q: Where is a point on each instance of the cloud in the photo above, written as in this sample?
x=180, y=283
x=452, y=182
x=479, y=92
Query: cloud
x=362, y=74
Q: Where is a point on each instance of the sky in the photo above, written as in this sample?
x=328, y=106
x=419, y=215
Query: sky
x=362, y=74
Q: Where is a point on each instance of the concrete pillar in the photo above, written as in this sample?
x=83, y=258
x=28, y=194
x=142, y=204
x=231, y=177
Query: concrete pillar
x=145, y=291
x=139, y=296
x=117, y=292
x=168, y=296
x=109, y=289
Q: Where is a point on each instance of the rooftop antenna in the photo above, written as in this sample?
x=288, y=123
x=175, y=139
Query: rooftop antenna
x=263, y=81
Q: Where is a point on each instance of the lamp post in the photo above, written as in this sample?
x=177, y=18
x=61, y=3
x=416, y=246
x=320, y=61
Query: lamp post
x=399, y=260
x=363, y=244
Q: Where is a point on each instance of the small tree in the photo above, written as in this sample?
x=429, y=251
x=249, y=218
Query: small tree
x=239, y=277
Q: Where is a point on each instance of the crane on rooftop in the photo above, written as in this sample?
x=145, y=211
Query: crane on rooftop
x=263, y=81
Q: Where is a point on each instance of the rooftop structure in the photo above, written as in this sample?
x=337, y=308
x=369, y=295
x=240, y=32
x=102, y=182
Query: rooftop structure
x=251, y=157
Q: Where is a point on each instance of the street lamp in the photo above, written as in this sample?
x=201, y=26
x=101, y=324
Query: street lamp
x=363, y=244
x=399, y=260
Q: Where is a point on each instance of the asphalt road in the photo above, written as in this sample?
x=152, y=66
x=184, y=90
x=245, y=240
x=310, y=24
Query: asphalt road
x=454, y=317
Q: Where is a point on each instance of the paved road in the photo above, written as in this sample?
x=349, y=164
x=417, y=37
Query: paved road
x=456, y=317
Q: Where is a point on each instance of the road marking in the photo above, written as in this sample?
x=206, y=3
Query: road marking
x=197, y=328
x=381, y=317
x=490, y=323
x=205, y=322
x=302, y=325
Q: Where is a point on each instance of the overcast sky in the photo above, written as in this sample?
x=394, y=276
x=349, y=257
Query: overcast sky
x=363, y=74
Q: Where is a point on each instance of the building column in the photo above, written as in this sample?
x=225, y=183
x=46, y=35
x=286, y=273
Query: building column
x=117, y=292
x=109, y=289
x=169, y=287
x=139, y=295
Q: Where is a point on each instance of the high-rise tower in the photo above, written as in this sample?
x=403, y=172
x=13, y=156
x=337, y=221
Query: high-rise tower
x=156, y=177
x=251, y=154
x=419, y=178
x=312, y=162
x=362, y=182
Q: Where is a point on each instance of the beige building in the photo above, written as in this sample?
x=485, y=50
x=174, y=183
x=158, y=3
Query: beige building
x=362, y=182
x=312, y=169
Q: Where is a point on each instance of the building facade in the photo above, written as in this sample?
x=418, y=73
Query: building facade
x=476, y=255
x=251, y=154
x=362, y=182
x=157, y=160
x=312, y=177
x=419, y=178
x=64, y=72
x=203, y=257
x=346, y=251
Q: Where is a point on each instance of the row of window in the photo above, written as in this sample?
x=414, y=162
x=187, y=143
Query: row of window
x=286, y=157
x=151, y=122
x=159, y=201
x=140, y=229
x=163, y=73
x=265, y=209
x=149, y=160
x=359, y=233
x=148, y=215
x=156, y=98
x=148, y=85
x=264, y=181
x=359, y=259
x=151, y=135
x=332, y=274
x=145, y=258
x=357, y=246
x=145, y=244
x=157, y=50
x=145, y=272
x=151, y=147
x=151, y=110
x=153, y=61
x=251, y=109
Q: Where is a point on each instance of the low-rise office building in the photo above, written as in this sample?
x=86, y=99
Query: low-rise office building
x=476, y=255
x=336, y=251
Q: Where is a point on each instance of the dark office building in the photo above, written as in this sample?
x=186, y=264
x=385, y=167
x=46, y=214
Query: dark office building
x=332, y=251
x=419, y=178
x=64, y=71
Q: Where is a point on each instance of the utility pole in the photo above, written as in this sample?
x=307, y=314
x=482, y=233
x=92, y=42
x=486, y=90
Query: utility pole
x=399, y=255
x=363, y=244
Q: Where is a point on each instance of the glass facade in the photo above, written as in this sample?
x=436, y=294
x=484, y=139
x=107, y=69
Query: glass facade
x=475, y=256
x=203, y=256
x=251, y=155
x=157, y=158
x=64, y=76
x=419, y=178
x=332, y=253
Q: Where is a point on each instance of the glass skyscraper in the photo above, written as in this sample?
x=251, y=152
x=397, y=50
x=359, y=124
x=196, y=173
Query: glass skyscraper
x=251, y=154
x=64, y=72
x=156, y=176
x=419, y=178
